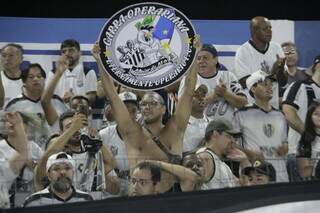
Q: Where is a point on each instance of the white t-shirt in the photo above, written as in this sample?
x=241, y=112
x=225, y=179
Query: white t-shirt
x=220, y=108
x=264, y=132
x=194, y=133
x=249, y=60
x=34, y=154
x=12, y=87
x=80, y=80
x=299, y=95
x=223, y=176
x=7, y=177
x=24, y=104
x=111, y=139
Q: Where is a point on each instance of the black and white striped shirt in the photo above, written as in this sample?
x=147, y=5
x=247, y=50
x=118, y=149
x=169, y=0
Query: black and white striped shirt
x=47, y=197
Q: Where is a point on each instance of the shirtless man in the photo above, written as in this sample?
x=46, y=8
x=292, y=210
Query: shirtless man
x=152, y=140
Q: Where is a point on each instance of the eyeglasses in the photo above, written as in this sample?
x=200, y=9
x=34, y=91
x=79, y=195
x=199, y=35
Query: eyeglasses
x=191, y=164
x=150, y=103
x=141, y=182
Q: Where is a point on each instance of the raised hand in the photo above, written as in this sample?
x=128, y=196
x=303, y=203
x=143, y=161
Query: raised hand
x=67, y=95
x=79, y=121
x=220, y=90
x=237, y=155
x=14, y=123
x=278, y=65
x=62, y=64
x=96, y=51
x=197, y=43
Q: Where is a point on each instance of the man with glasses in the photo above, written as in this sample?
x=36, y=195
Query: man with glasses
x=264, y=129
x=144, y=180
x=152, y=140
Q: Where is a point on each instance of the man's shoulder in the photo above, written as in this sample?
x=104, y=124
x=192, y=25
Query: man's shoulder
x=245, y=46
x=107, y=130
x=81, y=194
x=15, y=101
x=87, y=70
x=247, y=108
x=36, y=196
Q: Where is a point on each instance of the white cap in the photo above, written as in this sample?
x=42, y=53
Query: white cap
x=256, y=77
x=60, y=157
x=128, y=96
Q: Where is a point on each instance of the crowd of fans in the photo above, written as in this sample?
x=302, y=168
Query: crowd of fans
x=257, y=124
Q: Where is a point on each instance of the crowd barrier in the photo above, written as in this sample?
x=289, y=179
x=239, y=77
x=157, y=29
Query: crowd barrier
x=210, y=201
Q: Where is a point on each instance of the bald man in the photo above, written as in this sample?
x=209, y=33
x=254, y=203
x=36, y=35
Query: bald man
x=260, y=53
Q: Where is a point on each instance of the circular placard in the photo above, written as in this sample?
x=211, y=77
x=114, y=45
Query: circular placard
x=147, y=46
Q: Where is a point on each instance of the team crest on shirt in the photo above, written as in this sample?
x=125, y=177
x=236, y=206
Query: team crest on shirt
x=114, y=150
x=80, y=83
x=147, y=46
x=268, y=130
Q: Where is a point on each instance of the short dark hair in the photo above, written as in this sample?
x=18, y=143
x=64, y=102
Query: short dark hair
x=65, y=115
x=154, y=170
x=288, y=43
x=70, y=43
x=24, y=73
x=18, y=46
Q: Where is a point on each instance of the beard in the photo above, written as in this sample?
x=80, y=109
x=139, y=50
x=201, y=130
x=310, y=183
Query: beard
x=152, y=120
x=62, y=184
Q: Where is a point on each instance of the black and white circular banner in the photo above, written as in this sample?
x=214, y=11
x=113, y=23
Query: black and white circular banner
x=147, y=46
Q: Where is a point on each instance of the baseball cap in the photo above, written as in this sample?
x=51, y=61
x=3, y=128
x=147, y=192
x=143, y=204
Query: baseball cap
x=222, y=124
x=256, y=77
x=128, y=97
x=60, y=157
x=316, y=60
x=201, y=90
x=211, y=49
x=261, y=167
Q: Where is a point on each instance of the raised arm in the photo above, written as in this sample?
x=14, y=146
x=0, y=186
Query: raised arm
x=2, y=94
x=234, y=95
x=184, y=105
x=56, y=146
x=188, y=179
x=48, y=108
x=293, y=118
x=18, y=137
x=120, y=112
x=112, y=180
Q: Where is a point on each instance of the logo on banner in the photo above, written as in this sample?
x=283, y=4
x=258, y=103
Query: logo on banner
x=147, y=46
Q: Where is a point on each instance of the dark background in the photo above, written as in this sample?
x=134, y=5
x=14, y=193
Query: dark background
x=194, y=9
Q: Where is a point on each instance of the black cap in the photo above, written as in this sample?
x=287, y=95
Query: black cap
x=211, y=49
x=311, y=70
x=262, y=167
x=316, y=60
